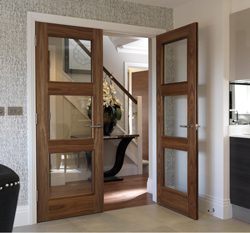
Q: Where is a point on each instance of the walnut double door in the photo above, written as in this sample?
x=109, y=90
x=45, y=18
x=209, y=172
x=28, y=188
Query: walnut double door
x=177, y=147
x=69, y=121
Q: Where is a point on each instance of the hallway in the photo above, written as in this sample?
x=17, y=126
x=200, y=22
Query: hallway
x=130, y=192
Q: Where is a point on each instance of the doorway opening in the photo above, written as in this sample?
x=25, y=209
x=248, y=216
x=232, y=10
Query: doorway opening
x=126, y=57
x=32, y=147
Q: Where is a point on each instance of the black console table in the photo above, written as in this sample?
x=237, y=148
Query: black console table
x=120, y=154
x=125, y=139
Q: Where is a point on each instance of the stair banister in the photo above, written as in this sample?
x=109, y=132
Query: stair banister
x=85, y=49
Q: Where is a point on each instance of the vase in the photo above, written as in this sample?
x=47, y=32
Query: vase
x=109, y=120
x=110, y=116
x=108, y=127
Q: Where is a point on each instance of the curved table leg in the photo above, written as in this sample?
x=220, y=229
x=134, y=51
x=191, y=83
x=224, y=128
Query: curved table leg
x=119, y=159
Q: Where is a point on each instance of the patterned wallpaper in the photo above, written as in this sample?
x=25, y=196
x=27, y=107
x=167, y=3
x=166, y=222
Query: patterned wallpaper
x=13, y=67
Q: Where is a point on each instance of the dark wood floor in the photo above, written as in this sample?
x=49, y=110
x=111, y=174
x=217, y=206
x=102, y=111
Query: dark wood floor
x=132, y=191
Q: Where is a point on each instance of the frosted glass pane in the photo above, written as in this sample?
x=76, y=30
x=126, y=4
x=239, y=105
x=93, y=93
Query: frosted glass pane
x=175, y=116
x=175, y=61
x=175, y=162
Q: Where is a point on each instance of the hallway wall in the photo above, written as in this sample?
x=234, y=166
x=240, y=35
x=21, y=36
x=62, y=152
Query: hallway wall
x=13, y=61
x=213, y=19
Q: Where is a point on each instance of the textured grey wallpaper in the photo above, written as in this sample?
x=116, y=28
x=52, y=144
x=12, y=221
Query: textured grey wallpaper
x=13, y=67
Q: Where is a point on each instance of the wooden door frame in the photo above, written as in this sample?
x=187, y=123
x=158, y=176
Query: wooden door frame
x=140, y=31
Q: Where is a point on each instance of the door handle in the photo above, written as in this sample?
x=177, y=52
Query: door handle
x=96, y=126
x=197, y=126
x=185, y=126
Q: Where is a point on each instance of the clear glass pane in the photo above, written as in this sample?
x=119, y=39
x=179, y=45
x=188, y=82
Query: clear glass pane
x=175, y=61
x=70, y=117
x=175, y=168
x=175, y=116
x=71, y=172
x=68, y=60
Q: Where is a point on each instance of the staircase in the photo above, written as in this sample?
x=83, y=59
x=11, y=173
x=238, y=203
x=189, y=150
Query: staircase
x=133, y=157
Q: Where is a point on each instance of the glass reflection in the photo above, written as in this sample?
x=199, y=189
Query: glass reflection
x=71, y=172
x=70, y=60
x=69, y=117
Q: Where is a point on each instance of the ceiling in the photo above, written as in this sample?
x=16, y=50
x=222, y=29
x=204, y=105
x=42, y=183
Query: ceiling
x=132, y=44
x=162, y=3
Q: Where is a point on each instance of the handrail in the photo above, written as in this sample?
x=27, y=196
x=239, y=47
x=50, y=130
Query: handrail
x=107, y=72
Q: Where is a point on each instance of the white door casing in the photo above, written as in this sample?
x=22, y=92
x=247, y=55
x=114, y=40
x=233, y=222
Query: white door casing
x=114, y=28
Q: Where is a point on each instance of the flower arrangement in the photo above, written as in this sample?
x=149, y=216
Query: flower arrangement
x=112, y=108
x=110, y=99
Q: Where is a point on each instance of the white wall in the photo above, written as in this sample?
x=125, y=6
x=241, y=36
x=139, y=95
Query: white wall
x=213, y=19
x=240, y=45
x=115, y=62
x=239, y=5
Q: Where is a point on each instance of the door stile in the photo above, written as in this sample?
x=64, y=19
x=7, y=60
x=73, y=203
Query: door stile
x=98, y=95
x=42, y=115
x=193, y=120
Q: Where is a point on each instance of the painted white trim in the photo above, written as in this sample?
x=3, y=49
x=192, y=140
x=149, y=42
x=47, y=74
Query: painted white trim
x=22, y=216
x=139, y=139
x=241, y=213
x=150, y=185
x=109, y=28
x=152, y=130
x=127, y=83
x=31, y=120
x=218, y=208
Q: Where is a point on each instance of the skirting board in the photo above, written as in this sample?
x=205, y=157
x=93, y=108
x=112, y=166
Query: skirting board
x=207, y=204
x=218, y=208
x=149, y=185
x=150, y=189
x=22, y=216
x=222, y=209
x=241, y=213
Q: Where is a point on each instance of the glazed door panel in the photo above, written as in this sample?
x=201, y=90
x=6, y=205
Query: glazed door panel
x=177, y=147
x=69, y=142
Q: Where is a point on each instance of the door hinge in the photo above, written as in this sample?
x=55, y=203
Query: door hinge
x=36, y=119
x=35, y=41
x=37, y=195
